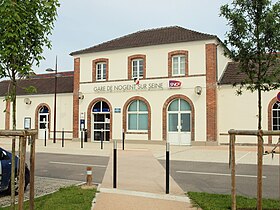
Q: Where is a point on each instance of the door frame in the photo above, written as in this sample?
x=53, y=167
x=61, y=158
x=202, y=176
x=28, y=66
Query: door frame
x=89, y=115
x=37, y=118
x=165, y=112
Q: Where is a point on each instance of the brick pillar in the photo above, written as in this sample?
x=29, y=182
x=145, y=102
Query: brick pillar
x=76, y=98
x=8, y=115
x=211, y=92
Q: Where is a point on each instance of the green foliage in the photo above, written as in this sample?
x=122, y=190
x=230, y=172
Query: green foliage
x=69, y=198
x=223, y=202
x=253, y=41
x=30, y=89
x=24, y=30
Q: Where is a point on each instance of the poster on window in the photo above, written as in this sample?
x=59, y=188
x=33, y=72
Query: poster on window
x=27, y=123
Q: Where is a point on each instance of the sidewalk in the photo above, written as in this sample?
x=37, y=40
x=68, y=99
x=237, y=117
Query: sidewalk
x=140, y=185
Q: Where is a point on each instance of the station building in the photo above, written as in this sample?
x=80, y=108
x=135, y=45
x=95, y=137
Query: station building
x=167, y=84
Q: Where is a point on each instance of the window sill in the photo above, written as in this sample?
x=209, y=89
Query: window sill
x=137, y=132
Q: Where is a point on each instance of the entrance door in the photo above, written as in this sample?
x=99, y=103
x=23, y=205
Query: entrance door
x=43, y=122
x=100, y=122
x=179, y=123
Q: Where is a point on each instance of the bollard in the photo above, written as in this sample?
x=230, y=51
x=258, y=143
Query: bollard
x=123, y=136
x=45, y=137
x=115, y=165
x=89, y=176
x=62, y=137
x=102, y=136
x=167, y=168
x=82, y=145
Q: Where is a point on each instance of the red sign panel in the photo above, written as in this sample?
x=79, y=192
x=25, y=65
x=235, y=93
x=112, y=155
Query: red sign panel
x=278, y=96
x=174, y=84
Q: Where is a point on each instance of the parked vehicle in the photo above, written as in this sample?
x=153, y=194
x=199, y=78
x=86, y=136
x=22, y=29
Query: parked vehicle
x=5, y=171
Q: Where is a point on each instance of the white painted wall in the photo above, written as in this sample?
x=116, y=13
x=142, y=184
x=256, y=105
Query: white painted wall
x=64, y=111
x=240, y=112
x=2, y=113
x=156, y=60
x=222, y=61
x=156, y=98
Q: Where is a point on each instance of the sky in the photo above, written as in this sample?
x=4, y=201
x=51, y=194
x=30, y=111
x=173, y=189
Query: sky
x=85, y=23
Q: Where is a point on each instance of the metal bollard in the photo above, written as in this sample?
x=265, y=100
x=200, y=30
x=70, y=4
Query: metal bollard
x=115, y=165
x=82, y=143
x=102, y=138
x=167, y=168
x=45, y=137
x=89, y=176
x=62, y=137
x=123, y=137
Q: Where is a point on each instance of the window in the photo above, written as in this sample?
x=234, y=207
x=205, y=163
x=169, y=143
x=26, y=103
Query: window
x=178, y=65
x=101, y=71
x=137, y=68
x=137, y=116
x=276, y=116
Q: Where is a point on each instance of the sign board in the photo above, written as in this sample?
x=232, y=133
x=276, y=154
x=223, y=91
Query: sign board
x=82, y=125
x=117, y=110
x=82, y=116
x=27, y=123
x=174, y=84
x=278, y=96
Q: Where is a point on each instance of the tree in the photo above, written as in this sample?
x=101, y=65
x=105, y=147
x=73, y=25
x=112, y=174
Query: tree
x=24, y=30
x=253, y=41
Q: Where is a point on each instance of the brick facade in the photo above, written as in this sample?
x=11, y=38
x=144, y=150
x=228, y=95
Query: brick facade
x=211, y=92
x=76, y=97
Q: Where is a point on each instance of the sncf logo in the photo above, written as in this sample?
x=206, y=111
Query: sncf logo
x=174, y=84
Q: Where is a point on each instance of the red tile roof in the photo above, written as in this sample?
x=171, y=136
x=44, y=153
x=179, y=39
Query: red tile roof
x=44, y=84
x=166, y=35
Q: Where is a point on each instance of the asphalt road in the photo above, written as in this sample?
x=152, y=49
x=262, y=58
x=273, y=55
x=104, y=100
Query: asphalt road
x=191, y=176
x=70, y=167
x=215, y=178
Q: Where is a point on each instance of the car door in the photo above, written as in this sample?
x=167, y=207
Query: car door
x=5, y=170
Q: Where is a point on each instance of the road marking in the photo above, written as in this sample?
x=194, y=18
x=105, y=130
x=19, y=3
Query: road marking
x=178, y=198
x=217, y=174
x=243, y=157
x=77, y=164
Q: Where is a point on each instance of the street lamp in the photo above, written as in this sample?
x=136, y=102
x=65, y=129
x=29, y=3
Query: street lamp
x=55, y=86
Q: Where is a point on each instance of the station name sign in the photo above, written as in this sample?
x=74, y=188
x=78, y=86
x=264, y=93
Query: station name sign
x=128, y=87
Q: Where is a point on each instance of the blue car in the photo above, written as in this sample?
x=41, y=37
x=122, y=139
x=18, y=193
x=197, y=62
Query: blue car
x=5, y=171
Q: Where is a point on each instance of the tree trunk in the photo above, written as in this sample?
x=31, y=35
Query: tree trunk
x=260, y=109
x=13, y=173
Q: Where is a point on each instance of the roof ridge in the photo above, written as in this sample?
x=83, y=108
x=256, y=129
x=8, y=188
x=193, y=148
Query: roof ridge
x=131, y=40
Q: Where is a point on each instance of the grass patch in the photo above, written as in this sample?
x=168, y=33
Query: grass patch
x=69, y=198
x=208, y=201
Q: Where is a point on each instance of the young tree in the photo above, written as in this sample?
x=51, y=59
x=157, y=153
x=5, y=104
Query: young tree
x=24, y=30
x=254, y=42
